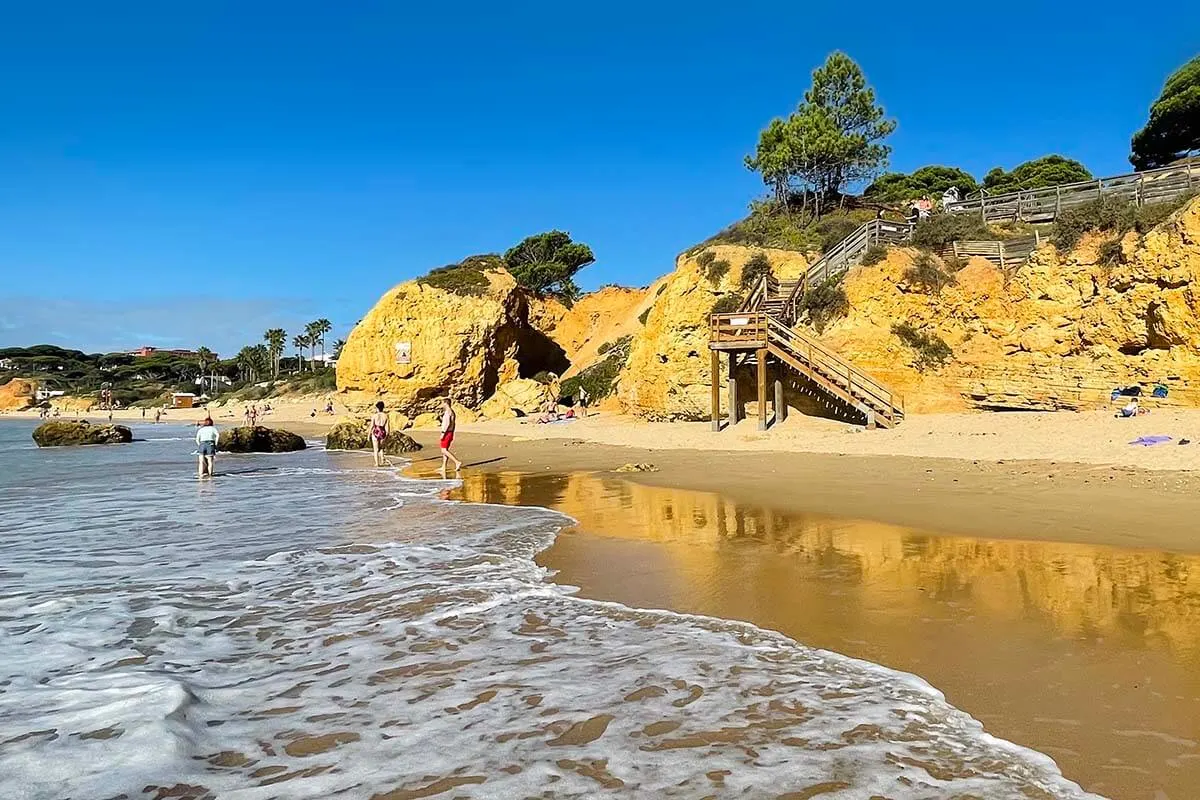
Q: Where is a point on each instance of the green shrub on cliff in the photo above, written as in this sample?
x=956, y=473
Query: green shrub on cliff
x=727, y=303
x=547, y=262
x=927, y=276
x=931, y=349
x=1110, y=215
x=466, y=278
x=758, y=266
x=875, y=254
x=600, y=378
x=938, y=231
x=825, y=303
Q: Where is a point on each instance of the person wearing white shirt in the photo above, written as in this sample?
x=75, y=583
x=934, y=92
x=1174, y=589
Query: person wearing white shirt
x=207, y=437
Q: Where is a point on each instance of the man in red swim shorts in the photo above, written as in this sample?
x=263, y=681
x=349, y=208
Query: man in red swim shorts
x=448, y=420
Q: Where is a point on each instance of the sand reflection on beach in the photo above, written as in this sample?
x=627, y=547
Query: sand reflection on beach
x=1091, y=654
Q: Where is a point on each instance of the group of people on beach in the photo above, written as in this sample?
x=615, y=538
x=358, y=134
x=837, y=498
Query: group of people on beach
x=207, y=437
x=379, y=424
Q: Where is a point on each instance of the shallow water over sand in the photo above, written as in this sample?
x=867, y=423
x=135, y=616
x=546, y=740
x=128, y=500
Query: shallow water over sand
x=1091, y=654
x=304, y=626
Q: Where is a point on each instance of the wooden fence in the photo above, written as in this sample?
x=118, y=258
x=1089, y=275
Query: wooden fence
x=1003, y=254
x=1044, y=205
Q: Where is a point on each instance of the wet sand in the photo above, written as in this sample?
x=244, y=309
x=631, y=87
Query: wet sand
x=1058, y=604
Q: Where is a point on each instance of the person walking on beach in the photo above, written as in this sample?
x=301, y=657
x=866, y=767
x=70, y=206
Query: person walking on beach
x=206, y=442
x=379, y=432
x=448, y=420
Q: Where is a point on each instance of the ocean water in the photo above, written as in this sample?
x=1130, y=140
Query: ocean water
x=305, y=626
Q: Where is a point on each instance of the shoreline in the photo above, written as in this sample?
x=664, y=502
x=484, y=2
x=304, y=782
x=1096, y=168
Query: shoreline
x=1017, y=500
x=976, y=615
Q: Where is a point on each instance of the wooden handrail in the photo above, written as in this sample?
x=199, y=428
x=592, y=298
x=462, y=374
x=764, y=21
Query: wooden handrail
x=1150, y=186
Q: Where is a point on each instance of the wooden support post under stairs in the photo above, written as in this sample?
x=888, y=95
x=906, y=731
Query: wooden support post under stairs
x=762, y=389
x=780, y=405
x=716, y=389
x=734, y=407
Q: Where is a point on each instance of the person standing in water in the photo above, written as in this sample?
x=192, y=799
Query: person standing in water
x=448, y=420
x=206, y=440
x=379, y=432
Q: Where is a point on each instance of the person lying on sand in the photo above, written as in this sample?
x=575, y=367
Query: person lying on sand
x=1131, y=409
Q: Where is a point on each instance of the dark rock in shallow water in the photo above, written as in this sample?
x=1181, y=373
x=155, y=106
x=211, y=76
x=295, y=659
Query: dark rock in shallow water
x=62, y=433
x=354, y=436
x=258, y=439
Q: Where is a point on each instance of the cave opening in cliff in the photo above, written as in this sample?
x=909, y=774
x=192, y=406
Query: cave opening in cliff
x=537, y=353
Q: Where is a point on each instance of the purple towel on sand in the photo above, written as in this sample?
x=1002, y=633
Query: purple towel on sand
x=1150, y=441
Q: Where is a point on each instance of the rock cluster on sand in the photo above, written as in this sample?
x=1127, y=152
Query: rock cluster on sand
x=75, y=432
x=17, y=395
x=259, y=439
x=353, y=435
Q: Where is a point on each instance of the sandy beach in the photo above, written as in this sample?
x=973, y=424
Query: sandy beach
x=1040, y=596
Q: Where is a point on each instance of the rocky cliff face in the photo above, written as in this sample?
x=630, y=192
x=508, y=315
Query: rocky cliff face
x=667, y=375
x=1060, y=332
x=460, y=346
x=17, y=394
x=595, y=319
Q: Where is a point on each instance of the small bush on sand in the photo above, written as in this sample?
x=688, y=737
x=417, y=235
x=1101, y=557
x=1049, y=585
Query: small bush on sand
x=645, y=315
x=931, y=349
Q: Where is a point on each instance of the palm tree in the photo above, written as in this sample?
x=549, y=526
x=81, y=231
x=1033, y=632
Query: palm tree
x=205, y=357
x=300, y=342
x=322, y=327
x=337, y=348
x=313, y=334
x=245, y=364
x=276, y=339
x=261, y=358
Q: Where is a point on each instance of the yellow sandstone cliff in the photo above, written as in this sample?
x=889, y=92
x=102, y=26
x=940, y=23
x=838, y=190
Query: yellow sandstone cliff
x=17, y=394
x=1059, y=332
x=420, y=343
x=667, y=375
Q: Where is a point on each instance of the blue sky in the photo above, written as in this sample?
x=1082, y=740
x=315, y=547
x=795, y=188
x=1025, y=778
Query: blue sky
x=192, y=173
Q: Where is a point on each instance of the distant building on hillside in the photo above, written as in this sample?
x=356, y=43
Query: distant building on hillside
x=7, y=363
x=328, y=359
x=146, y=350
x=45, y=394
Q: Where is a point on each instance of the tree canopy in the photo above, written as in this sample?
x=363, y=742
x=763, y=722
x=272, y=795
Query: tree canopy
x=1050, y=170
x=934, y=179
x=1173, y=130
x=547, y=262
x=834, y=136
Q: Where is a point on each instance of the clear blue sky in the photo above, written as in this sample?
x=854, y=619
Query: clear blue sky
x=192, y=173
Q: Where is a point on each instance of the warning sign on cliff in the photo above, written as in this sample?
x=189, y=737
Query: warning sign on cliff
x=403, y=352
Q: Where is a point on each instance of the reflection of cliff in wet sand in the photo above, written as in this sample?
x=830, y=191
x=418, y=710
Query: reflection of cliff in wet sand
x=1091, y=654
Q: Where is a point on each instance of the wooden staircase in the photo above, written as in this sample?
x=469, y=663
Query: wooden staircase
x=765, y=330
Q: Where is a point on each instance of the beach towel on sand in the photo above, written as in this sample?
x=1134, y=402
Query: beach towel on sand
x=1150, y=441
